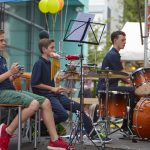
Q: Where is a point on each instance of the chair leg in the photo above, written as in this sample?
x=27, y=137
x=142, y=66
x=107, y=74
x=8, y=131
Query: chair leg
x=30, y=130
x=8, y=118
x=35, y=131
x=19, y=127
x=39, y=125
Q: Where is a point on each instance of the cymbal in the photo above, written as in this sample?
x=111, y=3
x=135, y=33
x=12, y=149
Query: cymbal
x=71, y=72
x=101, y=74
x=112, y=74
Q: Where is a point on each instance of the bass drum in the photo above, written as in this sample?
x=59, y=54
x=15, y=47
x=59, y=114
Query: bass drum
x=141, y=118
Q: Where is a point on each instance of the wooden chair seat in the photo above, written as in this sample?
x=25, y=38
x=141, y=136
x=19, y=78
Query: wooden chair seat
x=10, y=105
x=87, y=101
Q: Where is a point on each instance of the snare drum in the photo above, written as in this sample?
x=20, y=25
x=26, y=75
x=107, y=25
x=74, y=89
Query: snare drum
x=141, y=81
x=117, y=103
x=141, y=118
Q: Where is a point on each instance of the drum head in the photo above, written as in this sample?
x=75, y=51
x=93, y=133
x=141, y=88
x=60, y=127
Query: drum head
x=144, y=89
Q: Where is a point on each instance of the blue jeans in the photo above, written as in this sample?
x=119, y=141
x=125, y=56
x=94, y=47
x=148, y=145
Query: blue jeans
x=60, y=104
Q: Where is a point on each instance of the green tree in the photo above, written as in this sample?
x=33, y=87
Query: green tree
x=94, y=54
x=131, y=10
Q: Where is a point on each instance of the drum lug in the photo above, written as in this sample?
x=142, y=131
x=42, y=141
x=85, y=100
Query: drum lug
x=140, y=127
x=136, y=126
x=138, y=109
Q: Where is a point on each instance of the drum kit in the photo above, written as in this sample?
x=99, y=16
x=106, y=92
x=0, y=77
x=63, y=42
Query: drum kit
x=114, y=103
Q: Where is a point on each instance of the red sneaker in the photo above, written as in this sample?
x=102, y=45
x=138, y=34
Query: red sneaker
x=4, y=137
x=59, y=145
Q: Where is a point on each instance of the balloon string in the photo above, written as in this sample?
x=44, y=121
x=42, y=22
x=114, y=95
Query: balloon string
x=53, y=25
x=54, y=17
x=65, y=18
x=47, y=25
x=61, y=27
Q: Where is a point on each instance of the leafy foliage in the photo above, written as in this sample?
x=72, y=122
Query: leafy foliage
x=131, y=10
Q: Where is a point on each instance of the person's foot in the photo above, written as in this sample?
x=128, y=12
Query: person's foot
x=59, y=145
x=4, y=137
x=126, y=131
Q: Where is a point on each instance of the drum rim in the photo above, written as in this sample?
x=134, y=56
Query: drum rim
x=139, y=69
x=113, y=92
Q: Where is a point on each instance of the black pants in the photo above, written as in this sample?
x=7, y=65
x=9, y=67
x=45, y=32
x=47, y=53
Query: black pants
x=60, y=104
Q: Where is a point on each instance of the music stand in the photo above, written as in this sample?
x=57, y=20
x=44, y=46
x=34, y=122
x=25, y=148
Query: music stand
x=77, y=31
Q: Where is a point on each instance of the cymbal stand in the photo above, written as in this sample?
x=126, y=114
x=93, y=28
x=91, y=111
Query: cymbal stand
x=106, y=106
x=128, y=121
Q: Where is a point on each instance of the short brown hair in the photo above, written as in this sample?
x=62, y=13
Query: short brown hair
x=44, y=43
x=115, y=35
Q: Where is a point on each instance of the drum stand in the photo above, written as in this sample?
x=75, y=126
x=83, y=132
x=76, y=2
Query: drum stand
x=129, y=133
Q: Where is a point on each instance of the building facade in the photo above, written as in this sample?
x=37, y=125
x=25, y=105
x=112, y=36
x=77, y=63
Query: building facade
x=22, y=22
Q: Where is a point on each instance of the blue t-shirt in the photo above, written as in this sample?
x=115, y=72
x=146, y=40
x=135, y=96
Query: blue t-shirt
x=6, y=84
x=111, y=61
x=41, y=74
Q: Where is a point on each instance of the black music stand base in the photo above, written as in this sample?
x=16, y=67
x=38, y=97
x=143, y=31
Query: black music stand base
x=75, y=134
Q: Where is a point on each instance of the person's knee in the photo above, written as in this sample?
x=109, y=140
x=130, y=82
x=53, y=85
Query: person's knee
x=46, y=104
x=34, y=105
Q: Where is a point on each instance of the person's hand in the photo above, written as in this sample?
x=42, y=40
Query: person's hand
x=58, y=89
x=14, y=69
x=54, y=55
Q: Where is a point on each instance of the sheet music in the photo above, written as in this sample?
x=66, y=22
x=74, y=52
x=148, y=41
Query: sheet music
x=78, y=28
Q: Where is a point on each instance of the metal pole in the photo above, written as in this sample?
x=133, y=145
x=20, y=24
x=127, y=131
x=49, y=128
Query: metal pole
x=81, y=96
x=146, y=36
x=19, y=127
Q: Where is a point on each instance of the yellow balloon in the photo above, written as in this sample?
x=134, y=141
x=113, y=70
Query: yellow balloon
x=43, y=6
x=61, y=2
x=53, y=6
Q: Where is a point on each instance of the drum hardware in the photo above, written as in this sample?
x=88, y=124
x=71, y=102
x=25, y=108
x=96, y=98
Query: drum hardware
x=141, y=110
x=136, y=126
x=128, y=109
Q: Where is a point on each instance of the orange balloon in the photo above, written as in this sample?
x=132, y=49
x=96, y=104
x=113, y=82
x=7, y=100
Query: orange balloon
x=61, y=2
